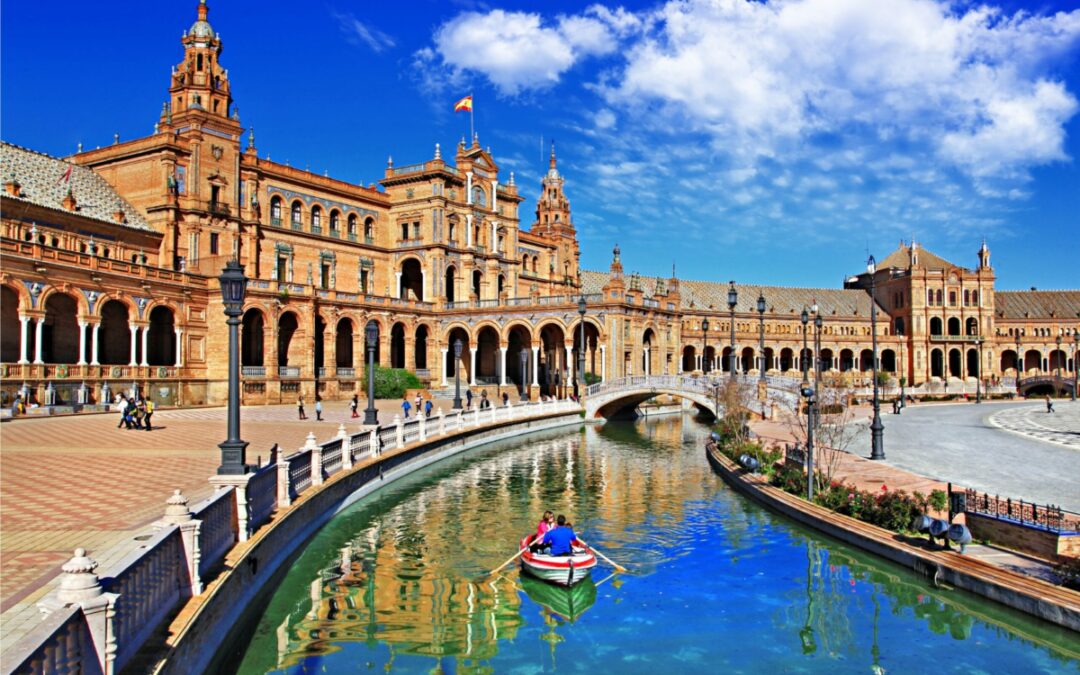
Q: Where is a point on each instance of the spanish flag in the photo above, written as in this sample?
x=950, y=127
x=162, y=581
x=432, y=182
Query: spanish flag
x=464, y=104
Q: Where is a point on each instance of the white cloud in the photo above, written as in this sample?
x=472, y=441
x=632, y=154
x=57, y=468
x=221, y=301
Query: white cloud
x=357, y=32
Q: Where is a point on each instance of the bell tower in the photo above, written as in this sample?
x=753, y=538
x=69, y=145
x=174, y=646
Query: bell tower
x=553, y=221
x=199, y=84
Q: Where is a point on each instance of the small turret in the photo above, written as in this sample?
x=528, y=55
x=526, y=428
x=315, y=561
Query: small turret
x=984, y=256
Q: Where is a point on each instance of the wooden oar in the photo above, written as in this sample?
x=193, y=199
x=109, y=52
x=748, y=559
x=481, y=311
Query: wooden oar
x=594, y=550
x=512, y=559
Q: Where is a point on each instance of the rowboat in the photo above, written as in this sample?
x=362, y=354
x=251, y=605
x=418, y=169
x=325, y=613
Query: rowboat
x=566, y=602
x=564, y=570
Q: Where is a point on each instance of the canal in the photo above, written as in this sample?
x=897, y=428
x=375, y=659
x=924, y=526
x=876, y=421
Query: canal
x=715, y=584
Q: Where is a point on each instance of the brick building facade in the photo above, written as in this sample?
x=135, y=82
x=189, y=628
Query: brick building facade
x=110, y=257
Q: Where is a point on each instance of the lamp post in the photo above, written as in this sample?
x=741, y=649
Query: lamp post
x=811, y=421
x=371, y=339
x=1019, y=361
x=903, y=370
x=818, y=323
x=457, y=374
x=732, y=300
x=705, y=346
x=877, y=429
x=761, y=333
x=523, y=357
x=1060, y=354
x=233, y=284
x=805, y=318
x=581, y=347
x=978, y=371
x=1076, y=366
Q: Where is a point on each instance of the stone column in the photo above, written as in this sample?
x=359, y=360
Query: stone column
x=468, y=229
x=346, y=447
x=397, y=276
x=82, y=343
x=569, y=363
x=648, y=362
x=177, y=513
x=179, y=347
x=424, y=292
x=603, y=363
x=37, y=339
x=95, y=359
x=145, y=340
x=502, y=366
x=24, y=346
x=468, y=188
x=134, y=341
x=443, y=351
x=472, y=366
x=536, y=366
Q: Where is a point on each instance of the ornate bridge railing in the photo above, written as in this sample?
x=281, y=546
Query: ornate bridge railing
x=1047, y=516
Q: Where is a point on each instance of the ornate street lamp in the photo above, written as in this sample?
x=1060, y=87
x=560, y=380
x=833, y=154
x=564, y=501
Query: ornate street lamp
x=371, y=337
x=978, y=371
x=523, y=356
x=1076, y=366
x=1060, y=354
x=903, y=371
x=233, y=284
x=581, y=346
x=818, y=323
x=1019, y=361
x=811, y=421
x=705, y=346
x=457, y=375
x=732, y=300
x=761, y=333
x=877, y=429
x=805, y=318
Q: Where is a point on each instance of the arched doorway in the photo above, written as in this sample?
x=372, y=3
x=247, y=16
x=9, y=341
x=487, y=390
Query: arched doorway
x=708, y=360
x=477, y=283
x=450, y=283
x=972, y=327
x=847, y=360
x=420, y=348
x=1008, y=361
x=866, y=360
x=826, y=360
x=115, y=347
x=501, y=282
x=972, y=363
x=518, y=343
x=954, y=326
x=648, y=352
x=397, y=345
x=251, y=344
x=1057, y=362
x=412, y=280
x=287, y=328
x=10, y=326
x=746, y=363
x=343, y=344
x=1032, y=361
x=487, y=356
x=689, y=359
x=463, y=364
x=786, y=360
x=60, y=334
x=320, y=346
x=954, y=363
x=725, y=359
x=888, y=361
x=935, y=325
x=937, y=363
x=161, y=340
x=592, y=352
x=769, y=361
x=552, y=359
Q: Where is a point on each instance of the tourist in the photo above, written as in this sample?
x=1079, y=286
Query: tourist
x=546, y=524
x=149, y=413
x=506, y=399
x=427, y=408
x=121, y=405
x=318, y=408
x=354, y=404
x=1049, y=404
x=419, y=402
x=140, y=413
x=300, y=407
x=561, y=538
x=405, y=405
x=468, y=399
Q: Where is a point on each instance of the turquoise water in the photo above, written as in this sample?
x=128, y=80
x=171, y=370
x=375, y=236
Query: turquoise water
x=716, y=584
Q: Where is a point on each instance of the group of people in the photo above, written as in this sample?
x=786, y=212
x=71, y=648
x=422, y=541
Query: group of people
x=135, y=412
x=421, y=404
x=554, y=536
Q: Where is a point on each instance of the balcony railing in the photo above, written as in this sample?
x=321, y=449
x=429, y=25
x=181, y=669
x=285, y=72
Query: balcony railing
x=253, y=371
x=346, y=372
x=370, y=241
x=408, y=243
x=296, y=225
x=276, y=222
x=352, y=236
x=955, y=338
x=288, y=371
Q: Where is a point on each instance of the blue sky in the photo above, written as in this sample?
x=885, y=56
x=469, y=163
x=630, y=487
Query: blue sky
x=767, y=142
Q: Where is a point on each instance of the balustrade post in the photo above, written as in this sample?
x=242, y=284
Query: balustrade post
x=284, y=494
x=400, y=431
x=79, y=585
x=423, y=426
x=476, y=416
x=177, y=513
x=442, y=422
x=239, y=483
x=316, y=458
x=346, y=447
x=373, y=442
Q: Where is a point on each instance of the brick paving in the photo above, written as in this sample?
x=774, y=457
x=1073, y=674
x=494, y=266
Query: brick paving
x=67, y=482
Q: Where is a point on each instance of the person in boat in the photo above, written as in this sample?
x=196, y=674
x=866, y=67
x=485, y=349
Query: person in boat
x=562, y=538
x=546, y=524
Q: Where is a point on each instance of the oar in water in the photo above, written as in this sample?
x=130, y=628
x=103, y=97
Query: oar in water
x=594, y=550
x=512, y=559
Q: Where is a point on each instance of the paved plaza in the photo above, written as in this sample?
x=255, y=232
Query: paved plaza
x=1012, y=449
x=80, y=481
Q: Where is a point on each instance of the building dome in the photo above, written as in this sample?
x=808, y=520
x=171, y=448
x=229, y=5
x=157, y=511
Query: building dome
x=201, y=29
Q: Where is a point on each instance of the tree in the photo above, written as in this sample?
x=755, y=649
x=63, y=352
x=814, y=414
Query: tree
x=835, y=429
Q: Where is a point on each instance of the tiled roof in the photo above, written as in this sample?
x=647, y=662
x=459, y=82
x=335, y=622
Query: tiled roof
x=901, y=259
x=40, y=175
x=1038, y=304
x=779, y=299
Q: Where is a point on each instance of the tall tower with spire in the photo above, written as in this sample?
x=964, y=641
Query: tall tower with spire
x=199, y=84
x=553, y=220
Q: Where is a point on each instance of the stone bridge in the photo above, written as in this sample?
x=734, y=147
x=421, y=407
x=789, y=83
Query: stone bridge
x=619, y=397
x=1044, y=384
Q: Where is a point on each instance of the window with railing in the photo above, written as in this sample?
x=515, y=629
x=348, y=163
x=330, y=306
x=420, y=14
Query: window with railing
x=296, y=217
x=275, y=211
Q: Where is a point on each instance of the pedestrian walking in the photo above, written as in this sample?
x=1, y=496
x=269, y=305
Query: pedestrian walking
x=122, y=405
x=140, y=413
x=468, y=398
x=318, y=408
x=354, y=404
x=405, y=405
x=1049, y=405
x=300, y=407
x=483, y=400
x=149, y=414
x=427, y=408
x=506, y=399
x=419, y=402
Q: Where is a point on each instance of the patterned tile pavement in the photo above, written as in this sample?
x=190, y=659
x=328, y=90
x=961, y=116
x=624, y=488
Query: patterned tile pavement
x=67, y=482
x=1061, y=427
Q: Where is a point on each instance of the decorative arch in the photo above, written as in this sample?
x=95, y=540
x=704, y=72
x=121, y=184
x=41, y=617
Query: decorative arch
x=253, y=337
x=161, y=335
x=114, y=333
x=60, y=332
x=11, y=332
x=288, y=342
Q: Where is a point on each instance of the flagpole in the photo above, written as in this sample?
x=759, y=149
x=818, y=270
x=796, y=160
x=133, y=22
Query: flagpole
x=472, y=127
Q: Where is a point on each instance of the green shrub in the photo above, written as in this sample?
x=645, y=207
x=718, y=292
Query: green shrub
x=591, y=379
x=393, y=382
x=939, y=501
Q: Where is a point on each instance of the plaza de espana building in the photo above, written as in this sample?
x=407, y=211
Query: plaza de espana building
x=110, y=259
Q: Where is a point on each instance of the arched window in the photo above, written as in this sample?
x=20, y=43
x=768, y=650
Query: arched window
x=929, y=296
x=296, y=217
x=937, y=296
x=275, y=211
x=952, y=298
x=316, y=219
x=352, y=226
x=975, y=298
x=479, y=198
x=369, y=229
x=335, y=220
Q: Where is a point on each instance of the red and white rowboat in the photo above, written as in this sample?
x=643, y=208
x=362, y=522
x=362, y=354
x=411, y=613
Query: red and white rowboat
x=564, y=570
